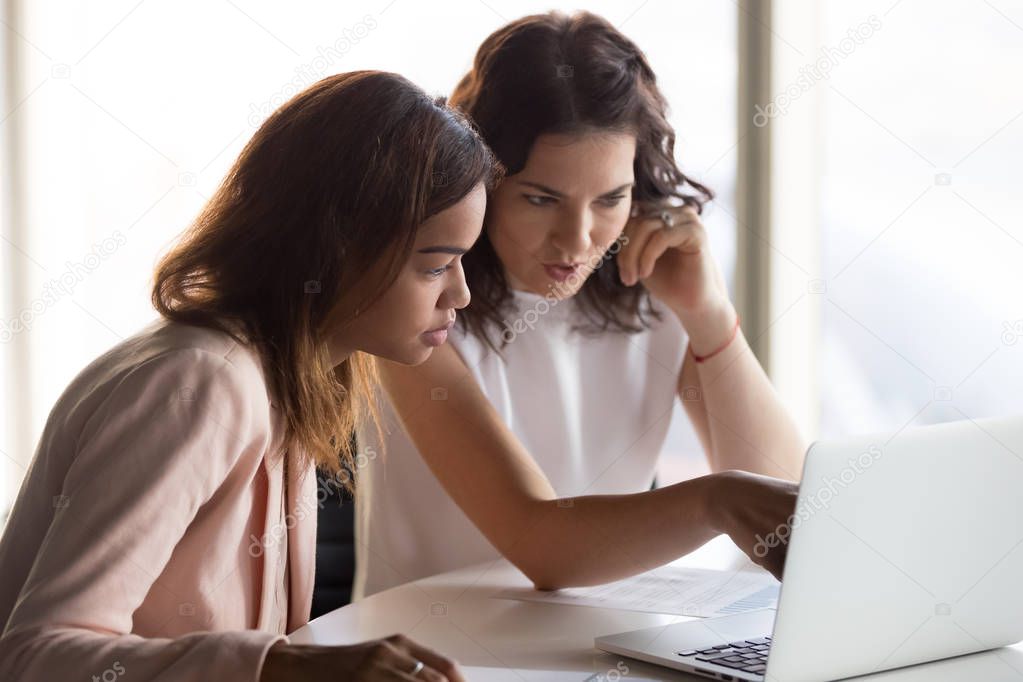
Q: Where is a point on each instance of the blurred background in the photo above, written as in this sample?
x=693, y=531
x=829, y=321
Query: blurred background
x=864, y=155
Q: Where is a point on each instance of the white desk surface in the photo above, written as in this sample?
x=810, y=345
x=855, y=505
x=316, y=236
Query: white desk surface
x=503, y=640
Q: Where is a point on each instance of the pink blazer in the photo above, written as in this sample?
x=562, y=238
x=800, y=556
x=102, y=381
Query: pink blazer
x=152, y=536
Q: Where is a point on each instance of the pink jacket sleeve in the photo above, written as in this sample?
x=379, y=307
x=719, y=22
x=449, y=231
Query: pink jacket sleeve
x=154, y=451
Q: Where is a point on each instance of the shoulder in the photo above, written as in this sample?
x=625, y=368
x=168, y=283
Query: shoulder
x=166, y=347
x=176, y=341
x=169, y=369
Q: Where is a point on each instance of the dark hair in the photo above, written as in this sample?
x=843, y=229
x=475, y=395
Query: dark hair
x=553, y=73
x=329, y=192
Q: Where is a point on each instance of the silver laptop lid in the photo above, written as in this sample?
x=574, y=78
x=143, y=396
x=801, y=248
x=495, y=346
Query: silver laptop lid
x=908, y=547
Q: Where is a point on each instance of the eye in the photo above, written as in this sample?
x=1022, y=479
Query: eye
x=437, y=272
x=611, y=201
x=539, y=200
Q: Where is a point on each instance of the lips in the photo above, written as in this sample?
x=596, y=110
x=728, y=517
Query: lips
x=436, y=337
x=561, y=271
x=444, y=328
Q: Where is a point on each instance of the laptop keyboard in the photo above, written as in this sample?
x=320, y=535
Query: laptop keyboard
x=748, y=655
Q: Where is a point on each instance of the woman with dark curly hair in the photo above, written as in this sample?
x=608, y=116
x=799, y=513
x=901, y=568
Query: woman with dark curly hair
x=596, y=305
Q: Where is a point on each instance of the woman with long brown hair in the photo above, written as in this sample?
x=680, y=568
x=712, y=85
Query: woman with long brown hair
x=166, y=528
x=596, y=305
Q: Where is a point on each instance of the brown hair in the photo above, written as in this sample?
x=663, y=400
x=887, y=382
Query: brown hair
x=329, y=192
x=552, y=73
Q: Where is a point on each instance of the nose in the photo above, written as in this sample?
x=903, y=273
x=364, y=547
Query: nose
x=457, y=295
x=572, y=234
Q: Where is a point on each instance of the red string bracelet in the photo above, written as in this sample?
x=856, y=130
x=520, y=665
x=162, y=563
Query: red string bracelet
x=735, y=332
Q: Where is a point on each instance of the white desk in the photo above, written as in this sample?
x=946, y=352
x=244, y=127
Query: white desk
x=499, y=640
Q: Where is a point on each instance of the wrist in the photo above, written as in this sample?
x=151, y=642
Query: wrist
x=710, y=328
x=717, y=500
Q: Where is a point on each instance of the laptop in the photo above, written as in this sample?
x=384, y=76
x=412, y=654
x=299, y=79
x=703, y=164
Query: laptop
x=905, y=548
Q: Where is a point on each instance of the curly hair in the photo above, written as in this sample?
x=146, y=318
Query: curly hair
x=553, y=73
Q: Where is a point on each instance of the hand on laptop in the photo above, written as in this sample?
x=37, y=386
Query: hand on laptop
x=756, y=512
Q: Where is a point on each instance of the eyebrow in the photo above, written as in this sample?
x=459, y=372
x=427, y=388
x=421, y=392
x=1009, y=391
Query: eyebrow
x=553, y=192
x=453, y=250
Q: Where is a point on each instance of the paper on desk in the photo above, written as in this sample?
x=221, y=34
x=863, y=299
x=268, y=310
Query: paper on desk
x=698, y=592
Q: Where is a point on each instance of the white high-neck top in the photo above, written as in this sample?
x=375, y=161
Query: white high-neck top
x=593, y=410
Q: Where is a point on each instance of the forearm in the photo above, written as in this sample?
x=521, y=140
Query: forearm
x=59, y=652
x=749, y=427
x=690, y=392
x=594, y=539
